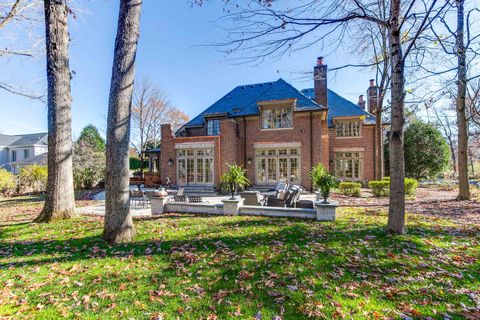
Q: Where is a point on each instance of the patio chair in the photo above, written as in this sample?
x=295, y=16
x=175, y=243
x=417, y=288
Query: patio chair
x=281, y=186
x=251, y=198
x=289, y=200
x=177, y=198
x=138, y=196
x=196, y=199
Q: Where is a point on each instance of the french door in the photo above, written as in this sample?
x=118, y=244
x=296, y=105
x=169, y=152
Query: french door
x=277, y=165
x=195, y=167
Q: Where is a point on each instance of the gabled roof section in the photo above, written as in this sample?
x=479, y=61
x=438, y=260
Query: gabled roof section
x=24, y=140
x=340, y=107
x=242, y=101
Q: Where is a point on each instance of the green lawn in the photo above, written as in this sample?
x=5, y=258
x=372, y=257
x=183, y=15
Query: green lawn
x=202, y=267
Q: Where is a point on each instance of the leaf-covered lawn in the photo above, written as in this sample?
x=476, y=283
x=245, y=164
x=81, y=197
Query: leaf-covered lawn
x=205, y=267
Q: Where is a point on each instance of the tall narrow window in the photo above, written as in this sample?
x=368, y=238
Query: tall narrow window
x=26, y=153
x=213, y=127
x=14, y=155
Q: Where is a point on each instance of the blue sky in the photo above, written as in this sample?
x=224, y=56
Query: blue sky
x=170, y=54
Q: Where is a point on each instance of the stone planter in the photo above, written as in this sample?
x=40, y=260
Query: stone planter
x=158, y=205
x=232, y=206
x=326, y=211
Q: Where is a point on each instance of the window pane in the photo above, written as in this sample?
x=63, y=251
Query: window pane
x=282, y=152
x=199, y=171
x=261, y=170
x=272, y=152
x=272, y=170
x=182, y=171
x=190, y=171
x=294, y=170
x=267, y=118
x=293, y=151
x=283, y=169
x=286, y=117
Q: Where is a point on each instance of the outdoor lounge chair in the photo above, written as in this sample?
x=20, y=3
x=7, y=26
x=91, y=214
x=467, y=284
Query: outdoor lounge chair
x=252, y=198
x=290, y=199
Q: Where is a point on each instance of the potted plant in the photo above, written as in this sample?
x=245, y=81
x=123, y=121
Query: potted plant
x=323, y=181
x=234, y=178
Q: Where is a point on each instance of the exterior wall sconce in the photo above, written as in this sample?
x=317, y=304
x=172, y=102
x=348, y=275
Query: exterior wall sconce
x=249, y=161
x=170, y=162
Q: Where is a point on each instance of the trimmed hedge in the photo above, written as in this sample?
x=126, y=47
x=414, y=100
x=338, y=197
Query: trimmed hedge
x=410, y=186
x=351, y=189
x=382, y=188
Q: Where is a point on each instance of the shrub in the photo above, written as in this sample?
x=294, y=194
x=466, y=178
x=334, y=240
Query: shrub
x=410, y=186
x=323, y=181
x=234, y=178
x=33, y=178
x=88, y=165
x=7, y=182
x=380, y=188
x=351, y=189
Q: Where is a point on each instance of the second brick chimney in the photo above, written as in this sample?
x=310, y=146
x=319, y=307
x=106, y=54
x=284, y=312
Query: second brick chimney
x=361, y=102
x=320, y=82
x=372, y=97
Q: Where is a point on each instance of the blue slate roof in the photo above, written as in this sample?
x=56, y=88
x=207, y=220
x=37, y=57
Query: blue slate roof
x=340, y=107
x=242, y=101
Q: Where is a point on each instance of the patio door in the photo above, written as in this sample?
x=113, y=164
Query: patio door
x=277, y=165
x=195, y=167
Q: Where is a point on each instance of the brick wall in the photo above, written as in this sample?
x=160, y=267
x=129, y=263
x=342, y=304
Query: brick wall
x=168, y=151
x=230, y=144
x=365, y=142
x=299, y=133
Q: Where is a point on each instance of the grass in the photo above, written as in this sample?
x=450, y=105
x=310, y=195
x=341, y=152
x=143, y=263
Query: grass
x=203, y=267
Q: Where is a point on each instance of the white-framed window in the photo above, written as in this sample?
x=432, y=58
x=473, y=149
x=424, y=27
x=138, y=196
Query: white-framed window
x=349, y=165
x=213, y=127
x=14, y=155
x=195, y=166
x=348, y=129
x=26, y=153
x=276, y=118
x=277, y=165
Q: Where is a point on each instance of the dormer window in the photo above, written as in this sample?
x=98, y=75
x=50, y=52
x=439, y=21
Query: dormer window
x=213, y=127
x=348, y=129
x=277, y=118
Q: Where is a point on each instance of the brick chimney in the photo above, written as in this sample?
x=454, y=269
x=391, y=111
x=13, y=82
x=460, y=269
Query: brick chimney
x=320, y=82
x=372, y=97
x=361, y=102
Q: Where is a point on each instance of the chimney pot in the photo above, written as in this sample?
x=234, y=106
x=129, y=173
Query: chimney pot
x=320, y=61
x=361, y=102
x=372, y=82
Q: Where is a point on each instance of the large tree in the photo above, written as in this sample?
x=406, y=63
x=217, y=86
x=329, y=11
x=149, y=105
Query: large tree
x=118, y=225
x=60, y=200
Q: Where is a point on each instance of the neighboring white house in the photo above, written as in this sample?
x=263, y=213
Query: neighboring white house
x=19, y=150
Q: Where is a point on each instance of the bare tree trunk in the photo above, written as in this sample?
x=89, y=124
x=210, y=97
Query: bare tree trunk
x=379, y=140
x=118, y=220
x=463, y=188
x=60, y=201
x=396, y=211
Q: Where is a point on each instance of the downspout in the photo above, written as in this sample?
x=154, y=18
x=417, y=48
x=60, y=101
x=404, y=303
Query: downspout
x=244, y=143
x=376, y=175
x=311, y=146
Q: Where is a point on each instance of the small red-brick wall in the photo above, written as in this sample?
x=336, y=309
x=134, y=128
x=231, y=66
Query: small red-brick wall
x=169, y=153
x=364, y=142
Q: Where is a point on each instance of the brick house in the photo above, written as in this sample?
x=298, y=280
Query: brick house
x=277, y=133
